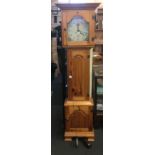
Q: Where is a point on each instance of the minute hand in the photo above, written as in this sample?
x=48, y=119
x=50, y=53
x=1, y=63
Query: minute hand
x=81, y=32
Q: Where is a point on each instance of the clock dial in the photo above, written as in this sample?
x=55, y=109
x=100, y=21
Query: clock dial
x=78, y=29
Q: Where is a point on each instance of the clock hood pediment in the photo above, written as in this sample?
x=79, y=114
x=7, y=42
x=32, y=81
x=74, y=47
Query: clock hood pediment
x=79, y=6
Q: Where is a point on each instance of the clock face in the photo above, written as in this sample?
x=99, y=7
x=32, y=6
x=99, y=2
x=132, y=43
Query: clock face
x=78, y=29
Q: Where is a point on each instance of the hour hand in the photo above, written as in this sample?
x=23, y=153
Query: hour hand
x=81, y=32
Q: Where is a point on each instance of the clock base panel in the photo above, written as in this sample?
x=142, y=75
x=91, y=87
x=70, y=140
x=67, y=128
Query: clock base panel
x=79, y=120
x=83, y=134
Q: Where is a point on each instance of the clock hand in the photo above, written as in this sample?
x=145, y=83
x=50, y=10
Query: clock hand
x=81, y=33
x=77, y=27
x=78, y=30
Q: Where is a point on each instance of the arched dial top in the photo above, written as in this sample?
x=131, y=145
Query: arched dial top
x=78, y=29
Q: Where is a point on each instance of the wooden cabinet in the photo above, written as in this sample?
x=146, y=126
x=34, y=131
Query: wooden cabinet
x=98, y=98
x=98, y=50
x=98, y=71
x=78, y=74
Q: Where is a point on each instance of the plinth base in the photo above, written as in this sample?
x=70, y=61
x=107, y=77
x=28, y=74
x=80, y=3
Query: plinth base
x=79, y=120
x=79, y=134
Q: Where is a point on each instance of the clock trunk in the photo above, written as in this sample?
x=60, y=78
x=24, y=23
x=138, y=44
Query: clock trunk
x=78, y=74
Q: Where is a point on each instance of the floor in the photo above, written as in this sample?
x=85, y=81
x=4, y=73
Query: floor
x=59, y=146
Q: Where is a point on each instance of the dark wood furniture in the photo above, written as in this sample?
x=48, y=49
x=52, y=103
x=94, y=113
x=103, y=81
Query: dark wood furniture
x=98, y=97
x=98, y=70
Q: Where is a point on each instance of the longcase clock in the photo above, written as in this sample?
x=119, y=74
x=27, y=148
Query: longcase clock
x=78, y=32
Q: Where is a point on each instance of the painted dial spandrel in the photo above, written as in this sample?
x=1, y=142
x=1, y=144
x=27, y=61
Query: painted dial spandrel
x=78, y=29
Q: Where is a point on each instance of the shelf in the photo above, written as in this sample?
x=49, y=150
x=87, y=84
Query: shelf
x=98, y=72
x=99, y=13
x=98, y=29
x=99, y=113
x=98, y=42
x=99, y=94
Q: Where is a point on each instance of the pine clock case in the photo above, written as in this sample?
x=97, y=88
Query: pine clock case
x=79, y=104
